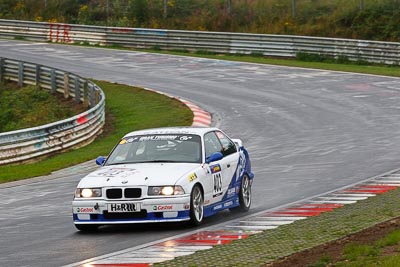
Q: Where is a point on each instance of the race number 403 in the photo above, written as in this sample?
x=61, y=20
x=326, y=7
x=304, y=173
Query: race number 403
x=217, y=184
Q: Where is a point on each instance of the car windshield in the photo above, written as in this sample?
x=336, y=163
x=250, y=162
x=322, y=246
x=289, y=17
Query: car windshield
x=157, y=148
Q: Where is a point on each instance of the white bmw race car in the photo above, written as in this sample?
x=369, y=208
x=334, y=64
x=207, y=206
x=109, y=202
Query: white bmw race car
x=165, y=175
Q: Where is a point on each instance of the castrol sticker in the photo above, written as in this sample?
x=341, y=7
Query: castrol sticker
x=163, y=207
x=84, y=210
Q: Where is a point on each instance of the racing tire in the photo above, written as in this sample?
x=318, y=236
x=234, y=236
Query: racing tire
x=196, y=206
x=244, y=195
x=87, y=227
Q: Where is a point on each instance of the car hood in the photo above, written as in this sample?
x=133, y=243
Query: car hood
x=139, y=174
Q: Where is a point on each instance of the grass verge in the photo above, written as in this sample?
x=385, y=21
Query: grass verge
x=128, y=109
x=28, y=106
x=367, y=255
x=379, y=246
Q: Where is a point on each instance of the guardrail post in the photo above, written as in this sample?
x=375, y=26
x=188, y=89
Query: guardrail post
x=21, y=74
x=91, y=96
x=85, y=94
x=2, y=61
x=97, y=96
x=66, y=85
x=53, y=80
x=37, y=78
x=77, y=91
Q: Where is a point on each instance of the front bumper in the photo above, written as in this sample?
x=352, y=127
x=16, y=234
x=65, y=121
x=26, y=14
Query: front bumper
x=168, y=209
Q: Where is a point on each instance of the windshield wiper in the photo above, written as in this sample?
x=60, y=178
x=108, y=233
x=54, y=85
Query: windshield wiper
x=147, y=161
x=160, y=160
x=117, y=163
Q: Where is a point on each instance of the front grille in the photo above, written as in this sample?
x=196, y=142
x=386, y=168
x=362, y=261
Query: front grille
x=125, y=215
x=114, y=193
x=133, y=192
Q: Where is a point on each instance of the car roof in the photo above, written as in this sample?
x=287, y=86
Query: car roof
x=174, y=130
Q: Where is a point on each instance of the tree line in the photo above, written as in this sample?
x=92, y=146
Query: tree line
x=376, y=20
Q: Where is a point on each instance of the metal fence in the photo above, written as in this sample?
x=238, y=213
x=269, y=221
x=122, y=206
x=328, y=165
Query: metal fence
x=218, y=42
x=32, y=143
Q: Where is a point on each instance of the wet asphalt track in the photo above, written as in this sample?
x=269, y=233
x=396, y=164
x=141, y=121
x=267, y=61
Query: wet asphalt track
x=308, y=132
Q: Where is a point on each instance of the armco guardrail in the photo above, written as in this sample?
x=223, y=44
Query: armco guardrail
x=219, y=42
x=29, y=144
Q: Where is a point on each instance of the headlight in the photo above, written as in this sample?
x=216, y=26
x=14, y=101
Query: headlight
x=88, y=192
x=165, y=190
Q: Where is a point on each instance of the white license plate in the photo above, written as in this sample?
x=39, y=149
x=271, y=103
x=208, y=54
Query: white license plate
x=123, y=207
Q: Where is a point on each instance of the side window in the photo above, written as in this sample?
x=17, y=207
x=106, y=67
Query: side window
x=211, y=144
x=228, y=147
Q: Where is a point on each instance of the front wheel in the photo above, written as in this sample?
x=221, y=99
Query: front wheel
x=196, y=206
x=244, y=195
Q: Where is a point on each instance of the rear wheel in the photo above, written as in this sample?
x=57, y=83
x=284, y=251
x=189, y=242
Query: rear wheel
x=196, y=206
x=244, y=195
x=87, y=227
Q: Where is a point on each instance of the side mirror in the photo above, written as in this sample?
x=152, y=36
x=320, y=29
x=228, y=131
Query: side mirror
x=214, y=157
x=238, y=143
x=100, y=160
